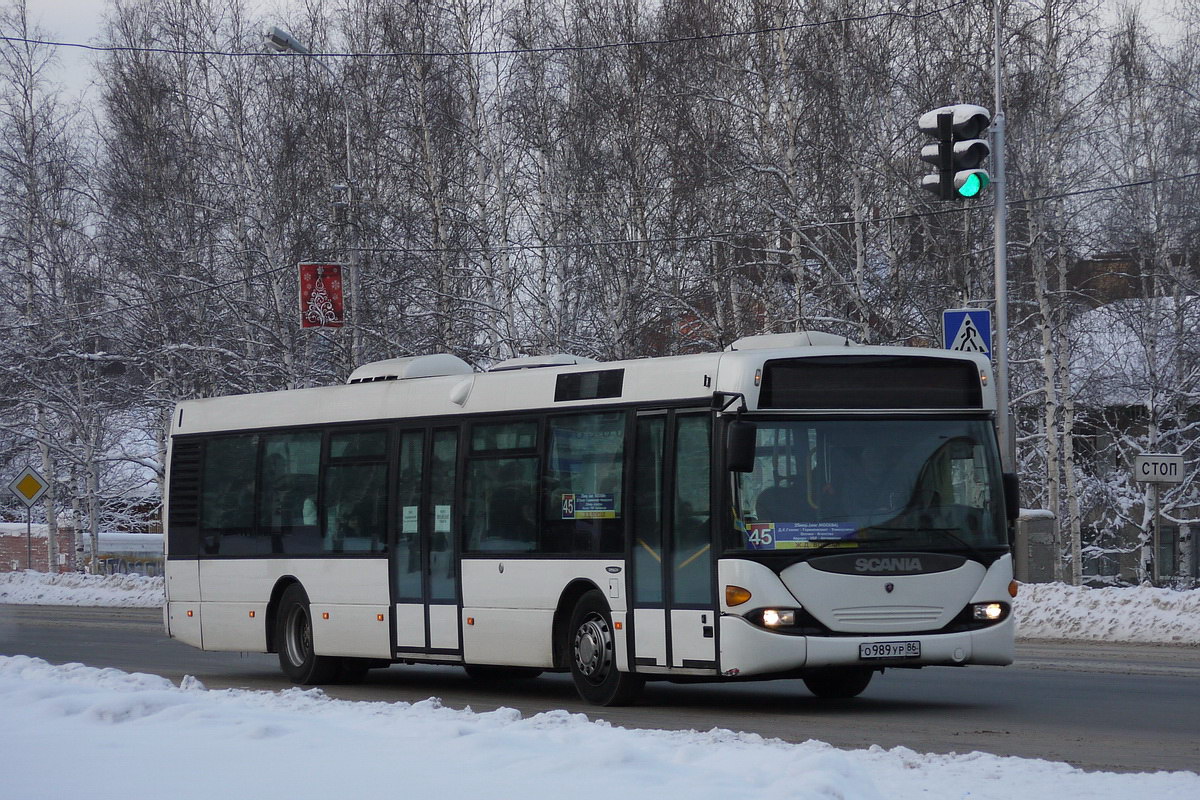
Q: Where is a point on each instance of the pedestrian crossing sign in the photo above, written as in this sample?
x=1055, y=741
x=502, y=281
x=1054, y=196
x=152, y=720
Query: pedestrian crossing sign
x=967, y=330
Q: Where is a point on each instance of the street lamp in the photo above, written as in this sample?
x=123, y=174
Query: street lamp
x=280, y=40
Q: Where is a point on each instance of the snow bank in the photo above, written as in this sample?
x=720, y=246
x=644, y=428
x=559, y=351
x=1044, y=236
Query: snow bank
x=29, y=588
x=1128, y=614
x=37, y=530
x=195, y=743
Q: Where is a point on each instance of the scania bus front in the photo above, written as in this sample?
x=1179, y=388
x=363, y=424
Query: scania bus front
x=866, y=537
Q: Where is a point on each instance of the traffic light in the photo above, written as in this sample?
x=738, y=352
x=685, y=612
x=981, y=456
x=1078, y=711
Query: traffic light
x=958, y=151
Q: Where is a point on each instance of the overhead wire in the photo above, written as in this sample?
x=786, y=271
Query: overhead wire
x=716, y=236
x=561, y=48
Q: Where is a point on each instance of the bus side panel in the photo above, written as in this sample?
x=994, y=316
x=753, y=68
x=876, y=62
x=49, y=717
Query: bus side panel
x=513, y=601
x=235, y=626
x=352, y=591
x=183, y=621
x=183, y=581
x=183, y=595
x=341, y=581
x=351, y=630
x=516, y=637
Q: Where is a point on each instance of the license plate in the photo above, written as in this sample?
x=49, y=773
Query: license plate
x=889, y=650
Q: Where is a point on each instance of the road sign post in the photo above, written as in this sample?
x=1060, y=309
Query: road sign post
x=1157, y=469
x=28, y=487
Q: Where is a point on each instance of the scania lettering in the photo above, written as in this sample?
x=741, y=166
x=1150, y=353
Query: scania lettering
x=889, y=564
x=794, y=506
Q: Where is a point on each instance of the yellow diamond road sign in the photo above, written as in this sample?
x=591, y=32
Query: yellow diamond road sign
x=28, y=486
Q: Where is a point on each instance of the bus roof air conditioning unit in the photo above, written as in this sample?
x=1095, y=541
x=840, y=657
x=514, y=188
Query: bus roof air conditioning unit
x=534, y=362
x=797, y=339
x=400, y=369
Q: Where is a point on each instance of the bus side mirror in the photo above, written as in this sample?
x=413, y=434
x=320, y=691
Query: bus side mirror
x=1012, y=496
x=740, y=442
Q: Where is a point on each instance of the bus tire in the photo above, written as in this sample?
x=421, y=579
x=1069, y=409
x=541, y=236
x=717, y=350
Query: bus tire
x=493, y=674
x=591, y=650
x=294, y=637
x=838, y=682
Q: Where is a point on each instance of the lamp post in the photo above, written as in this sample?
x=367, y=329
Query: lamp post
x=280, y=40
x=1000, y=226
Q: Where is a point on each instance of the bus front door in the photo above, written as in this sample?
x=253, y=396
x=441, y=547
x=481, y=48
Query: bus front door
x=424, y=569
x=673, y=610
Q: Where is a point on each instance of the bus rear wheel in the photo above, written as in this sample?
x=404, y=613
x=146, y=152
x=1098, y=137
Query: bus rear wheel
x=294, y=638
x=591, y=649
x=838, y=682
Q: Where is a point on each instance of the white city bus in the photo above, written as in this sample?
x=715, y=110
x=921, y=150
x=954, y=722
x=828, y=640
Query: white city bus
x=796, y=506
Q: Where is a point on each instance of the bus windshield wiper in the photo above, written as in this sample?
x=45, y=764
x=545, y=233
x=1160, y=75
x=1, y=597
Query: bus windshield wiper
x=945, y=531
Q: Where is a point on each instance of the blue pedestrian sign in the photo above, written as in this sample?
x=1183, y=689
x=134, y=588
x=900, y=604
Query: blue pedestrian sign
x=967, y=330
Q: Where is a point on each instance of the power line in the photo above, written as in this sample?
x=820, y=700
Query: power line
x=728, y=235
x=133, y=307
x=505, y=51
x=716, y=236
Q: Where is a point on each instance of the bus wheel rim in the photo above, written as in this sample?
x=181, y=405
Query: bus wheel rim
x=593, y=648
x=299, y=636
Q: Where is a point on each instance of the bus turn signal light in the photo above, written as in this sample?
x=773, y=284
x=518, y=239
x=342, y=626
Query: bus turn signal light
x=736, y=595
x=1012, y=588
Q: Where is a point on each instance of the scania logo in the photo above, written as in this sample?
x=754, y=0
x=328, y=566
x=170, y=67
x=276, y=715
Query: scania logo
x=902, y=564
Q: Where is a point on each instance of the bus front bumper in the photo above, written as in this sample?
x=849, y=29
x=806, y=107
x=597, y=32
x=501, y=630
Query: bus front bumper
x=747, y=649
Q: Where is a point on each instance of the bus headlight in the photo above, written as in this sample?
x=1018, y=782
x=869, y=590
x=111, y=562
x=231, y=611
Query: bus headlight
x=778, y=617
x=988, y=612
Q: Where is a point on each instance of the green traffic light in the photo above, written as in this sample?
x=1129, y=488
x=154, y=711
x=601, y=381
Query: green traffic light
x=972, y=183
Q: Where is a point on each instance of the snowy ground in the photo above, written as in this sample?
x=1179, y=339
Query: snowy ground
x=1044, y=611
x=195, y=743
x=30, y=588
x=298, y=743
x=1131, y=614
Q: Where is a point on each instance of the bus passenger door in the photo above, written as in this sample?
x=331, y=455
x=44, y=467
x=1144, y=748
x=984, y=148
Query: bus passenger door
x=674, y=614
x=423, y=564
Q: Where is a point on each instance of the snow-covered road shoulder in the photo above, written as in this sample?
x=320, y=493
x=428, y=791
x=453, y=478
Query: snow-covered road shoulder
x=1140, y=614
x=28, y=588
x=194, y=743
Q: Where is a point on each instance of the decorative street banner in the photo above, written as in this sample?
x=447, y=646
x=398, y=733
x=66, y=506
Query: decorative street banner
x=321, y=304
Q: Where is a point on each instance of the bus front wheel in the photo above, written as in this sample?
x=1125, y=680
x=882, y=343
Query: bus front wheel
x=838, y=682
x=592, y=651
x=294, y=638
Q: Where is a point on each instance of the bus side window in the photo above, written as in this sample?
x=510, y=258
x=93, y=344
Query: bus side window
x=356, y=492
x=582, y=501
x=443, y=464
x=501, y=488
x=501, y=496
x=227, y=499
x=692, y=565
x=287, y=510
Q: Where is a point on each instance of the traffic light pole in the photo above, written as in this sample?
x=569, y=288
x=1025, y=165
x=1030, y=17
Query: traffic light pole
x=945, y=123
x=1000, y=224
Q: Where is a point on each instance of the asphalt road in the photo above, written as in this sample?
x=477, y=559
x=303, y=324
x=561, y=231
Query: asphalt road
x=1100, y=707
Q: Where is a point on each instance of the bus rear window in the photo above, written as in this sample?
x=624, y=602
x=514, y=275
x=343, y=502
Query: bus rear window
x=860, y=382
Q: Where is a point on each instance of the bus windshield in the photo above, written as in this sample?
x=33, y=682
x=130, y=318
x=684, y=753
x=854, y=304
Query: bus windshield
x=926, y=484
